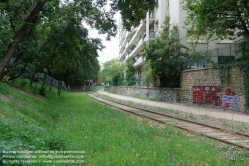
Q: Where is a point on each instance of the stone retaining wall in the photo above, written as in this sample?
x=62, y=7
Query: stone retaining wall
x=202, y=86
x=163, y=94
x=211, y=77
x=230, y=94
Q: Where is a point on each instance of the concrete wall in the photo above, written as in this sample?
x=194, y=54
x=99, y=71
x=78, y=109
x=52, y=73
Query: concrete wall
x=174, y=12
x=163, y=94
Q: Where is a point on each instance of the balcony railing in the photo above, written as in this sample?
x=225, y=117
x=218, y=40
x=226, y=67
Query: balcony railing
x=140, y=41
x=132, y=36
x=151, y=14
x=152, y=34
x=138, y=61
x=132, y=48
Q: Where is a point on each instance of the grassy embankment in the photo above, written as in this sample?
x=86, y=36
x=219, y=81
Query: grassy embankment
x=74, y=122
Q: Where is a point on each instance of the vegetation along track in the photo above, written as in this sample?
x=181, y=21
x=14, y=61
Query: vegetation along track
x=226, y=136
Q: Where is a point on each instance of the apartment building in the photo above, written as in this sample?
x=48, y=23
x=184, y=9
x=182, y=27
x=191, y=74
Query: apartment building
x=132, y=43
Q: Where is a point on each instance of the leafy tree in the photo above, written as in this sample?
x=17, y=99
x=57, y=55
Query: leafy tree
x=130, y=79
x=20, y=16
x=165, y=55
x=217, y=18
x=133, y=11
x=150, y=79
x=72, y=54
x=112, y=71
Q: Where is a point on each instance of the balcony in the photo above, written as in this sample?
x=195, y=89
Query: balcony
x=140, y=41
x=139, y=61
x=138, y=47
x=133, y=41
x=132, y=48
x=126, y=57
x=122, y=40
x=151, y=16
x=152, y=34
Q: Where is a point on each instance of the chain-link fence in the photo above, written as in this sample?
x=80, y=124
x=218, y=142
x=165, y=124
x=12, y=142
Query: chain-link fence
x=216, y=56
x=211, y=57
x=131, y=81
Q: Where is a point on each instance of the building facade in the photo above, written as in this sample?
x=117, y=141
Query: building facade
x=132, y=43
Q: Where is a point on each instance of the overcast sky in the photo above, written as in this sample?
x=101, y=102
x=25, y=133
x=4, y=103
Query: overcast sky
x=112, y=47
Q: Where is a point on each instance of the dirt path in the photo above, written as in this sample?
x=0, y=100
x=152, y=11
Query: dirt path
x=212, y=112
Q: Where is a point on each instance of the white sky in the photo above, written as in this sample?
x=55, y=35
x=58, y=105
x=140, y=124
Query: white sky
x=111, y=49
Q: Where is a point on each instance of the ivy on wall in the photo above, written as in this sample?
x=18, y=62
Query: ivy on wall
x=243, y=64
x=224, y=73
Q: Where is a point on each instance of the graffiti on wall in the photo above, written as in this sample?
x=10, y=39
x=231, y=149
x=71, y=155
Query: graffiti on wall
x=212, y=95
x=159, y=94
x=186, y=96
x=207, y=95
x=232, y=100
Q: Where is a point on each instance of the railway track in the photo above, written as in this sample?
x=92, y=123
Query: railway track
x=226, y=136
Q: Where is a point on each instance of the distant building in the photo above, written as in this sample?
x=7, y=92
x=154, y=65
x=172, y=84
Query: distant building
x=88, y=83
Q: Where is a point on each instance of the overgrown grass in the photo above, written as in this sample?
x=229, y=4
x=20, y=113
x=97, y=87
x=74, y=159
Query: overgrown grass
x=74, y=122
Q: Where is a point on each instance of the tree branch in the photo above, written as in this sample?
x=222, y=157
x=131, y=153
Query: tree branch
x=19, y=35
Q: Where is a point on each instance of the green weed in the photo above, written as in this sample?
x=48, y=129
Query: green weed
x=74, y=122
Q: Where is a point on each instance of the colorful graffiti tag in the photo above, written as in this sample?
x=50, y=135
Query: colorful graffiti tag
x=207, y=95
x=212, y=95
x=232, y=101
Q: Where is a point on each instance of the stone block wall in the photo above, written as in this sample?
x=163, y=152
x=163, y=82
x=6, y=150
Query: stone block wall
x=230, y=94
x=211, y=77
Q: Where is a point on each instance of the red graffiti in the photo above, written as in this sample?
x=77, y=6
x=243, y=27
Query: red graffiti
x=207, y=95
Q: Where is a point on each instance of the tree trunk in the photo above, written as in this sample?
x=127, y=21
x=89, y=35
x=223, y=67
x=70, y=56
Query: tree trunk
x=19, y=56
x=22, y=71
x=35, y=86
x=19, y=35
x=60, y=85
x=44, y=79
x=33, y=77
x=13, y=66
x=51, y=82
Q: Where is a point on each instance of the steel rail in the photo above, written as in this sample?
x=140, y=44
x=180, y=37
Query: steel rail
x=231, y=141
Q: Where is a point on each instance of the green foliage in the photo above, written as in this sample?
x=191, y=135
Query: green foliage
x=200, y=59
x=107, y=136
x=150, y=80
x=243, y=64
x=225, y=77
x=50, y=33
x=224, y=73
x=55, y=143
x=133, y=11
x=165, y=55
x=42, y=91
x=216, y=18
x=130, y=79
x=243, y=48
x=113, y=71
